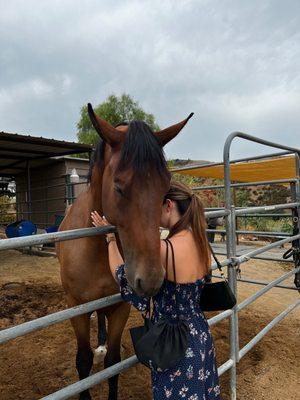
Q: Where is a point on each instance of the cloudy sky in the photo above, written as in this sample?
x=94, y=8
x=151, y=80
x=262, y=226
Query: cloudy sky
x=236, y=64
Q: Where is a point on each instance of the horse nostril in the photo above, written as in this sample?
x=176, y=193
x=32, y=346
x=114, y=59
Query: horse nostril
x=138, y=284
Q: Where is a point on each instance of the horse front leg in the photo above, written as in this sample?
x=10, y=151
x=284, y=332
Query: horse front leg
x=101, y=351
x=84, y=356
x=297, y=281
x=116, y=322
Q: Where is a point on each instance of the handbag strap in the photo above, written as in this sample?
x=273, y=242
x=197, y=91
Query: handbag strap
x=217, y=262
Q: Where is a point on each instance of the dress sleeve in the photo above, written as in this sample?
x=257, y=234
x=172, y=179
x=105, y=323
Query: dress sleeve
x=127, y=293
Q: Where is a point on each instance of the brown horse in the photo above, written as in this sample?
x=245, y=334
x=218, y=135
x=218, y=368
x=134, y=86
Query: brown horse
x=128, y=181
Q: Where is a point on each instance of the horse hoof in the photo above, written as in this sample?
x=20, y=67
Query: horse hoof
x=99, y=354
x=85, y=396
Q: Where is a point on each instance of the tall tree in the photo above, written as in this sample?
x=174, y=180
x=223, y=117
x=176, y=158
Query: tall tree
x=114, y=110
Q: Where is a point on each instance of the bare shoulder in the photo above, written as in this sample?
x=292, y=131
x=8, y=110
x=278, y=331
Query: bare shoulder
x=189, y=266
x=183, y=238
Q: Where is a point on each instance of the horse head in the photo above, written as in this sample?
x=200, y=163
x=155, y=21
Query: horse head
x=134, y=182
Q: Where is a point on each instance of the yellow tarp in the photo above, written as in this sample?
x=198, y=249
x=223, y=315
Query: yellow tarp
x=250, y=171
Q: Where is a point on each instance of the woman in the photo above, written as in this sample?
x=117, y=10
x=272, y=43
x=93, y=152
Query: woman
x=194, y=377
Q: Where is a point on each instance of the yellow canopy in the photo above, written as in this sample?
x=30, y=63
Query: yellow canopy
x=249, y=171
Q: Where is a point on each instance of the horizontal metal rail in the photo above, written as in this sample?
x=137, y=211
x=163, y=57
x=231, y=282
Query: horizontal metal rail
x=219, y=317
x=266, y=216
x=250, y=232
x=214, y=164
x=33, y=212
x=60, y=316
x=246, y=257
x=251, y=210
x=262, y=291
x=42, y=322
x=54, y=237
x=92, y=380
x=46, y=199
x=54, y=186
x=267, y=328
x=95, y=379
x=245, y=184
x=255, y=282
x=55, y=318
x=225, y=367
x=261, y=257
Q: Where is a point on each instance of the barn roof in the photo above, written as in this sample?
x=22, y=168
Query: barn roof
x=16, y=150
x=247, y=171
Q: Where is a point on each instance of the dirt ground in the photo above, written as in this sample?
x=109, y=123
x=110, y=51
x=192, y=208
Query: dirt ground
x=42, y=362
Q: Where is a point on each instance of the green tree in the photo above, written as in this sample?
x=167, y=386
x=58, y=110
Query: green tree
x=114, y=110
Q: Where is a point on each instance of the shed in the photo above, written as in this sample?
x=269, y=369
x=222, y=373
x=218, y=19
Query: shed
x=40, y=169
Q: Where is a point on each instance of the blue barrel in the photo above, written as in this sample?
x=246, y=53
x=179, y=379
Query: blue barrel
x=12, y=229
x=51, y=229
x=20, y=228
x=27, y=228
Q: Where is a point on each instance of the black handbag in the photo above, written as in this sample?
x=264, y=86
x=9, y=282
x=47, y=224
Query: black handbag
x=217, y=296
x=160, y=345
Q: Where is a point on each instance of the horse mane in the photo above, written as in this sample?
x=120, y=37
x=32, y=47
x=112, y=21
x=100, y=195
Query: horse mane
x=96, y=158
x=141, y=151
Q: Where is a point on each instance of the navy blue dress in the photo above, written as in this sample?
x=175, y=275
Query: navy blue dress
x=195, y=377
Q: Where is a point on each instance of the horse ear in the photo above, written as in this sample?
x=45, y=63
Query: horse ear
x=107, y=132
x=168, y=134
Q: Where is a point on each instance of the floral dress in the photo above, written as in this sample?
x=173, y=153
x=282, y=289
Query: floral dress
x=195, y=377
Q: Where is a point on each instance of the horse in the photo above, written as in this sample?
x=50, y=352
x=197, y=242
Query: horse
x=128, y=181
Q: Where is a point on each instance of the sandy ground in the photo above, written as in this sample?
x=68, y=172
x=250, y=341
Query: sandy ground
x=42, y=362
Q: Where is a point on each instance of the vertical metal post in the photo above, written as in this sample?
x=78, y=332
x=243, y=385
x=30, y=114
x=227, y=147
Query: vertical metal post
x=28, y=182
x=46, y=204
x=295, y=189
x=297, y=185
x=67, y=190
x=231, y=252
x=236, y=222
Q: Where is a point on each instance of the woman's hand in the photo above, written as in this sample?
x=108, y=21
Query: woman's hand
x=97, y=220
x=114, y=256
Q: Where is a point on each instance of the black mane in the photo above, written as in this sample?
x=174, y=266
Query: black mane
x=141, y=151
x=97, y=157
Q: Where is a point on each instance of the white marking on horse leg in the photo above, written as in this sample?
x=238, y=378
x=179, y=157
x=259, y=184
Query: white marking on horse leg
x=99, y=354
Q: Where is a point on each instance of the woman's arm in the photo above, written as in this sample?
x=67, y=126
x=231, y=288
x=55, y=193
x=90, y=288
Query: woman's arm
x=114, y=257
x=115, y=261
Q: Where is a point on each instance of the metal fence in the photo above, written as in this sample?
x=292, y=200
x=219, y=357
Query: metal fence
x=232, y=262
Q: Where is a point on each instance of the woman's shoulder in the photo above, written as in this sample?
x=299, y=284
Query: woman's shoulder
x=188, y=265
x=184, y=237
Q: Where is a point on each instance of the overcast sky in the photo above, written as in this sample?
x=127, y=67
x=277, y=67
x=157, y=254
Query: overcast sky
x=236, y=64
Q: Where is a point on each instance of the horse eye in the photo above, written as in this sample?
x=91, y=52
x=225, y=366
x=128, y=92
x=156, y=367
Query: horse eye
x=119, y=190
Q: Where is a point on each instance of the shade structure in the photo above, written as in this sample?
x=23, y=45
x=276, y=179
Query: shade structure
x=16, y=150
x=250, y=171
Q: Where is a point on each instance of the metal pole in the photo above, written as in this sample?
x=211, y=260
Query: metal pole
x=28, y=190
x=266, y=329
x=262, y=283
x=231, y=252
x=239, y=134
x=245, y=184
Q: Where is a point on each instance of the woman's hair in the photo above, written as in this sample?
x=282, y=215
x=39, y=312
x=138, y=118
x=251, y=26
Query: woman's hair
x=192, y=216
